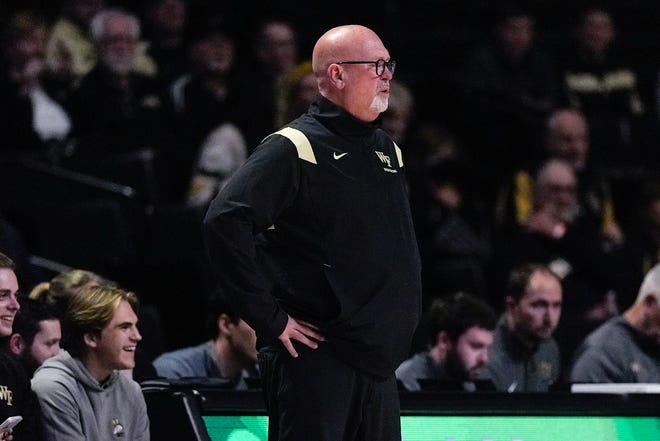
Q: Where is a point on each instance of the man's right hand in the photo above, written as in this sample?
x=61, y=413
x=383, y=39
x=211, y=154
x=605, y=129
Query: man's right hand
x=304, y=332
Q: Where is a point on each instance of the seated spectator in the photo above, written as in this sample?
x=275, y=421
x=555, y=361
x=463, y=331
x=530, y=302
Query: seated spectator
x=510, y=88
x=566, y=138
x=32, y=122
x=36, y=334
x=274, y=53
x=231, y=354
x=603, y=85
x=461, y=332
x=16, y=398
x=117, y=110
x=396, y=119
x=210, y=147
x=80, y=390
x=625, y=349
x=524, y=357
x=166, y=27
x=561, y=234
x=298, y=90
x=71, y=53
x=61, y=288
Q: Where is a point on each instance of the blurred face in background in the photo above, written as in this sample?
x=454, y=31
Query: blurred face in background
x=169, y=16
x=556, y=191
x=516, y=35
x=118, y=45
x=568, y=138
x=277, y=47
x=597, y=31
x=213, y=55
x=27, y=52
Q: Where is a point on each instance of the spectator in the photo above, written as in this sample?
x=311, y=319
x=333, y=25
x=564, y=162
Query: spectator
x=567, y=139
x=117, y=110
x=16, y=397
x=61, y=288
x=602, y=84
x=396, y=119
x=31, y=121
x=166, y=27
x=80, y=390
x=561, y=235
x=71, y=54
x=230, y=355
x=275, y=52
x=511, y=87
x=297, y=92
x=461, y=333
x=36, y=334
x=524, y=357
x=625, y=349
x=210, y=147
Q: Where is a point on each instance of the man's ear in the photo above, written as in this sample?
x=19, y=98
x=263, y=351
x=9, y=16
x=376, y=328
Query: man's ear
x=444, y=342
x=224, y=323
x=91, y=339
x=336, y=75
x=17, y=344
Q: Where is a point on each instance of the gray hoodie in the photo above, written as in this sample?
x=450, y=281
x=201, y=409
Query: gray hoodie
x=76, y=407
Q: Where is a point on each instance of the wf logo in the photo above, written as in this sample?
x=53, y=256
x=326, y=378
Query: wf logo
x=384, y=159
x=6, y=395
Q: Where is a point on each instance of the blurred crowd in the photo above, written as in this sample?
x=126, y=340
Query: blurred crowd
x=529, y=130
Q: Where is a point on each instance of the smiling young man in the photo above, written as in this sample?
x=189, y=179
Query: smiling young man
x=16, y=398
x=82, y=394
x=524, y=356
x=314, y=240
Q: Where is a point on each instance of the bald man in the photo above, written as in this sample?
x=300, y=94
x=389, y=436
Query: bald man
x=313, y=240
x=626, y=348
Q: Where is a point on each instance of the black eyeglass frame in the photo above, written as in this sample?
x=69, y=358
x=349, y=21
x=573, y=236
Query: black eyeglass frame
x=380, y=65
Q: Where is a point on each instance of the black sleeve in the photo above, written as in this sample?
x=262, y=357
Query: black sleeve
x=248, y=205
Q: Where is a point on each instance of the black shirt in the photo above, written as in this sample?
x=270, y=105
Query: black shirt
x=321, y=230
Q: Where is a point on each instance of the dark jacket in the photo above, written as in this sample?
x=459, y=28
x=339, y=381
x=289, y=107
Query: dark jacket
x=335, y=245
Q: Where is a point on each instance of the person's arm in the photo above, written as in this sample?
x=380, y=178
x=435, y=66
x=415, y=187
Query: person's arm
x=596, y=366
x=248, y=205
x=142, y=420
x=59, y=411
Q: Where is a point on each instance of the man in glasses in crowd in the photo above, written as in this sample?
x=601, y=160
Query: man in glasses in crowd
x=314, y=239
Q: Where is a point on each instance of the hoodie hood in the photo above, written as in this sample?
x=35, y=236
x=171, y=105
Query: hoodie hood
x=73, y=367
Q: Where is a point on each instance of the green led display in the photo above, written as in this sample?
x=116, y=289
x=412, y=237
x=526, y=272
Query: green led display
x=473, y=428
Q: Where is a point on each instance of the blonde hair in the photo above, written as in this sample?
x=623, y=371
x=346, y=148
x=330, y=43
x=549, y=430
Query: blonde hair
x=90, y=310
x=63, y=285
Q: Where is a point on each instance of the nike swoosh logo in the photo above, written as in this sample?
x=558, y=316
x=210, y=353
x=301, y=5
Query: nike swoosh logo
x=339, y=156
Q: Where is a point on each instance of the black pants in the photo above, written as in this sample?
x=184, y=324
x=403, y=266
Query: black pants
x=317, y=397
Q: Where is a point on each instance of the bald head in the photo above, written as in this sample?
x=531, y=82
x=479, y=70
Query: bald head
x=568, y=137
x=355, y=87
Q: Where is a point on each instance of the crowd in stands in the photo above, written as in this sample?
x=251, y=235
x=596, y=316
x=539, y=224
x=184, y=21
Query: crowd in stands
x=530, y=137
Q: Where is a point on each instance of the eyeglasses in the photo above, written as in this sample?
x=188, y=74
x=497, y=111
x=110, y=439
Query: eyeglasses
x=380, y=65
